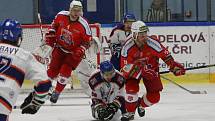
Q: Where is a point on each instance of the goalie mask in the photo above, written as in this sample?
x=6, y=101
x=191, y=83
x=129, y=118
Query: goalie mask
x=139, y=31
x=76, y=9
x=107, y=70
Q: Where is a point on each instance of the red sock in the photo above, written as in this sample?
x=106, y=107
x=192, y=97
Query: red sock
x=131, y=106
x=59, y=87
x=149, y=99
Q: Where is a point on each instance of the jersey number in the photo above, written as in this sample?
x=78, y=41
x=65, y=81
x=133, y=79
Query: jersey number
x=4, y=63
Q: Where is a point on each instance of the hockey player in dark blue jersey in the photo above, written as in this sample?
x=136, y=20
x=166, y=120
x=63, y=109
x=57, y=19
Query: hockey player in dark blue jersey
x=118, y=38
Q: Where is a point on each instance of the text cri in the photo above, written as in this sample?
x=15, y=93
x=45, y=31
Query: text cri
x=181, y=49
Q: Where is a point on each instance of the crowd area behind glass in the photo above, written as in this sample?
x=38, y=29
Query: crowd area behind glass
x=171, y=10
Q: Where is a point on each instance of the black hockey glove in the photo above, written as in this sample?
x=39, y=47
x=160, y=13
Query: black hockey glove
x=111, y=109
x=102, y=112
x=31, y=105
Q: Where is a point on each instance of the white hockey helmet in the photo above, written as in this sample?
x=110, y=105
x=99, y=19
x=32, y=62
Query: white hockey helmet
x=139, y=26
x=75, y=4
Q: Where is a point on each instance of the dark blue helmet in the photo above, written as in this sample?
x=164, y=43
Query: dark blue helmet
x=129, y=17
x=106, y=66
x=10, y=30
x=107, y=70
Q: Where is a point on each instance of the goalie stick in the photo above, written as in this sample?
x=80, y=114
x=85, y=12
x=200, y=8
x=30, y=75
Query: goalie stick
x=190, y=91
x=40, y=23
x=193, y=68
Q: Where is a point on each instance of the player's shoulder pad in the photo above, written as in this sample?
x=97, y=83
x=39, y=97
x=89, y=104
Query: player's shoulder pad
x=154, y=44
x=119, y=79
x=23, y=54
x=85, y=24
x=95, y=80
x=119, y=26
x=127, y=46
x=65, y=13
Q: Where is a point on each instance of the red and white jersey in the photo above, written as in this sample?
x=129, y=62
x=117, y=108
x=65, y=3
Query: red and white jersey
x=16, y=64
x=149, y=54
x=107, y=92
x=71, y=34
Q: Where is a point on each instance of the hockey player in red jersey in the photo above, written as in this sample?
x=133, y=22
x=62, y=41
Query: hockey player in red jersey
x=69, y=36
x=140, y=60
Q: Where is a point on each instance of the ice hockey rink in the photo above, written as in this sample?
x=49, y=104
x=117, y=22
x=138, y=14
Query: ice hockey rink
x=175, y=105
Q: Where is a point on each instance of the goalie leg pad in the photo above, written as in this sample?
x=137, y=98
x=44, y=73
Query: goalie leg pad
x=43, y=51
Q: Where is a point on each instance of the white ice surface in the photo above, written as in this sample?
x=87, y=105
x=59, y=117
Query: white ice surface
x=175, y=105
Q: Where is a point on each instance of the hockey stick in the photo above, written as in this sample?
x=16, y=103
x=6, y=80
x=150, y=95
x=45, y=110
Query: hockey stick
x=193, y=68
x=190, y=91
x=56, y=105
x=40, y=23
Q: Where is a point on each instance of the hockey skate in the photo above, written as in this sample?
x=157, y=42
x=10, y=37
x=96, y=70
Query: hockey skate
x=125, y=117
x=54, y=97
x=130, y=116
x=141, y=111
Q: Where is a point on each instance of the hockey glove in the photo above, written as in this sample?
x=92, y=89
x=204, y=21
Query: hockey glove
x=50, y=38
x=31, y=105
x=102, y=112
x=112, y=108
x=116, y=49
x=177, y=69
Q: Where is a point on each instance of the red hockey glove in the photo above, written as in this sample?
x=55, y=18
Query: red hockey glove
x=50, y=38
x=79, y=53
x=177, y=69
